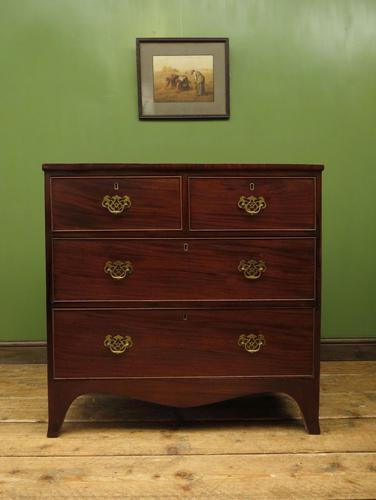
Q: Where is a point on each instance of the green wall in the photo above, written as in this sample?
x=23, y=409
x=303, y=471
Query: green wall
x=303, y=89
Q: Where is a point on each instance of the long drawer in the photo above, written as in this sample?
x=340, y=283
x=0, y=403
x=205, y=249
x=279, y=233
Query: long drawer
x=116, y=203
x=182, y=343
x=252, y=203
x=176, y=269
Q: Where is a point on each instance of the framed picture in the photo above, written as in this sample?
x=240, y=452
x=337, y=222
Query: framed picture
x=183, y=78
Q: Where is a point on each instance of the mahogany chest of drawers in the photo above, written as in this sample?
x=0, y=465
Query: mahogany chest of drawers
x=183, y=284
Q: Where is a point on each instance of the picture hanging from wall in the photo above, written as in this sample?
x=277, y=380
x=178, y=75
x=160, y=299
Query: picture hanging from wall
x=183, y=78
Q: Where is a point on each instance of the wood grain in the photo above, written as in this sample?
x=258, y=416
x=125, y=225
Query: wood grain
x=191, y=453
x=163, y=270
x=173, y=343
x=338, y=475
x=152, y=168
x=77, y=203
x=27, y=380
x=102, y=408
x=173, y=264
x=290, y=203
x=199, y=438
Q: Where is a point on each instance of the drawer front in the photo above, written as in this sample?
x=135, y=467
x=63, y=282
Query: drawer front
x=116, y=203
x=252, y=203
x=182, y=343
x=175, y=269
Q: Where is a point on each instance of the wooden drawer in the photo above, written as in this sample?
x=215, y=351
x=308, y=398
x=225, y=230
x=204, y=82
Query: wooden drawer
x=80, y=203
x=183, y=343
x=176, y=269
x=281, y=203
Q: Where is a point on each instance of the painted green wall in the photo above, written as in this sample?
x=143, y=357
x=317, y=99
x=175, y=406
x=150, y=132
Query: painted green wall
x=303, y=89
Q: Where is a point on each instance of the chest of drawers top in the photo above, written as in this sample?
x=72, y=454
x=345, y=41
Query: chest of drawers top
x=182, y=198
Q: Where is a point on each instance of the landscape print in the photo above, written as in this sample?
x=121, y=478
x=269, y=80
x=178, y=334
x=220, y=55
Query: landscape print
x=183, y=78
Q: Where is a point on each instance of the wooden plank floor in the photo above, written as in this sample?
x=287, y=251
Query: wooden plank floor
x=249, y=448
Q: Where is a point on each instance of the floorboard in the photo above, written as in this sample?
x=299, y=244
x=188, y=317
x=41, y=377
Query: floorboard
x=345, y=435
x=248, y=448
x=339, y=475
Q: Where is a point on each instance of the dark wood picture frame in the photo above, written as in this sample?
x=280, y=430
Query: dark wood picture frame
x=218, y=109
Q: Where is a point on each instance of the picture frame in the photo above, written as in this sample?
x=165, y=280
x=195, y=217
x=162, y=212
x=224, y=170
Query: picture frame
x=183, y=78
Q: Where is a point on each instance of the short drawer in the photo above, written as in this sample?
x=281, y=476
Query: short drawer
x=116, y=203
x=164, y=269
x=252, y=203
x=182, y=343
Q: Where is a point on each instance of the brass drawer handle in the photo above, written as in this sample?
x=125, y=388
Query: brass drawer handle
x=252, y=205
x=118, y=269
x=118, y=344
x=252, y=269
x=116, y=204
x=252, y=343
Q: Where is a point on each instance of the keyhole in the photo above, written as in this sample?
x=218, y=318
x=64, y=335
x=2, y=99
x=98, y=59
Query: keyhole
x=185, y=317
x=252, y=186
x=116, y=186
x=185, y=247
